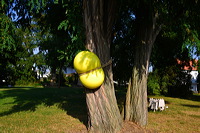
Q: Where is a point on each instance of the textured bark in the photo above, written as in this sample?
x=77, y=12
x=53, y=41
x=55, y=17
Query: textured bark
x=103, y=112
x=136, y=99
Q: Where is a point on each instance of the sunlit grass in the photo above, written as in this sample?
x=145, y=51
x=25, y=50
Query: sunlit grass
x=50, y=110
x=42, y=110
x=182, y=116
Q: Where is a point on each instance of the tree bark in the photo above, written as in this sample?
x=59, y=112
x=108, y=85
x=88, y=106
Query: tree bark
x=136, y=99
x=103, y=112
x=60, y=76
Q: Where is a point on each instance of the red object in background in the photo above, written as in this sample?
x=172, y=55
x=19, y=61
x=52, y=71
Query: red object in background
x=188, y=65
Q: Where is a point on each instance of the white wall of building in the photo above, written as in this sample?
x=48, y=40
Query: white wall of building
x=194, y=75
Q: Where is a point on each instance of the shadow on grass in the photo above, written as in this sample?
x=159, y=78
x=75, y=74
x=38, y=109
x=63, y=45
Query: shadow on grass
x=195, y=97
x=191, y=106
x=71, y=100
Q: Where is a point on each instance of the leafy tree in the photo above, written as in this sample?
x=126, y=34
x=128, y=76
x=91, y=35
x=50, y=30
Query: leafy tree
x=167, y=49
x=169, y=81
x=179, y=83
x=19, y=39
x=7, y=46
x=103, y=112
x=24, y=66
x=17, y=64
x=64, y=36
x=107, y=116
x=58, y=37
x=151, y=17
x=7, y=31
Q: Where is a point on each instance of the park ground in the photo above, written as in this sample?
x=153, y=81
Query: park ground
x=49, y=110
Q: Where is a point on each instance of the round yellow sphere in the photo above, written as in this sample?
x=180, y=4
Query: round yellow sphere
x=92, y=80
x=84, y=62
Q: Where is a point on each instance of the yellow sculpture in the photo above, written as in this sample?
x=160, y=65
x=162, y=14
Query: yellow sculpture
x=88, y=66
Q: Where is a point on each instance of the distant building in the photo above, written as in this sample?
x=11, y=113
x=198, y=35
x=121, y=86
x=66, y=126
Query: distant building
x=191, y=68
x=42, y=75
x=69, y=70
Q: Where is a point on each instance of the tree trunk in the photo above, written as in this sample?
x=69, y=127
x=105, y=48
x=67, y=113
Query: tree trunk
x=60, y=76
x=136, y=98
x=53, y=77
x=103, y=112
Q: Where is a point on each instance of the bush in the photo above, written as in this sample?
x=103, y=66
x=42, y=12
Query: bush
x=153, y=84
x=181, y=87
x=170, y=81
x=25, y=81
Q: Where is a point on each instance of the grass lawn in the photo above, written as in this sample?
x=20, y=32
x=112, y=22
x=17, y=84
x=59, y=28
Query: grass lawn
x=53, y=110
x=49, y=110
x=182, y=116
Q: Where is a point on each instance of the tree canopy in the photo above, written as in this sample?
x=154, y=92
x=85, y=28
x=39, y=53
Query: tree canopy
x=49, y=27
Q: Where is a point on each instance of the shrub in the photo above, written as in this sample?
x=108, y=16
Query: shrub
x=170, y=81
x=153, y=84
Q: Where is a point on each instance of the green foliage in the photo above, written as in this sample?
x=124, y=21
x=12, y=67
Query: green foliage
x=7, y=32
x=56, y=27
x=70, y=80
x=159, y=81
x=181, y=85
x=17, y=58
x=64, y=33
x=73, y=24
x=171, y=81
x=191, y=40
x=40, y=24
x=174, y=16
x=64, y=25
x=153, y=84
x=169, y=47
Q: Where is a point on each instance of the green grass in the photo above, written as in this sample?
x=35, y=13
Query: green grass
x=42, y=110
x=182, y=116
